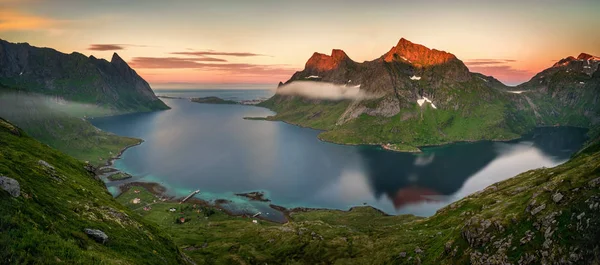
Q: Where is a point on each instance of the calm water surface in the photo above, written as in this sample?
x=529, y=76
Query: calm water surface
x=212, y=148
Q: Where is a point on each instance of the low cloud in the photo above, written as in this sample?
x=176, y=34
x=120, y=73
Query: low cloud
x=323, y=90
x=215, y=53
x=23, y=106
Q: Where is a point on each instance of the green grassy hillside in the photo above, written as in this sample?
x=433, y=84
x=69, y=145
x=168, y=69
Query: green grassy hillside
x=59, y=199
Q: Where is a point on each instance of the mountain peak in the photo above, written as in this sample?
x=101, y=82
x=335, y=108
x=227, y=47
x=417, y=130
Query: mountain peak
x=404, y=41
x=324, y=62
x=416, y=54
x=587, y=56
x=116, y=59
x=339, y=54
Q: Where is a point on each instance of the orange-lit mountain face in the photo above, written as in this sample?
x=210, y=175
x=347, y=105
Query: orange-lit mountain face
x=322, y=62
x=400, y=77
x=417, y=55
x=585, y=63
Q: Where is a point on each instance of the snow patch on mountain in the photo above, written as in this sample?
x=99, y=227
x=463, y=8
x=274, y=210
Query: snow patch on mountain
x=422, y=101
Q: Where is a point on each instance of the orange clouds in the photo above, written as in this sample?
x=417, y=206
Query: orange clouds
x=13, y=20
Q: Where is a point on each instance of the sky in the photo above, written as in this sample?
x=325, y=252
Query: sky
x=180, y=43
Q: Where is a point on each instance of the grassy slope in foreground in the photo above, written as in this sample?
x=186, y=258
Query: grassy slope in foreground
x=45, y=223
x=547, y=215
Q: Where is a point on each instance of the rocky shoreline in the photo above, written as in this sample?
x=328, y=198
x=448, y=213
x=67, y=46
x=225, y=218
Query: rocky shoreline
x=161, y=192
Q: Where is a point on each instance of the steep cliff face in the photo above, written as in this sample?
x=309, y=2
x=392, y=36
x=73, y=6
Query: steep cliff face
x=409, y=86
x=76, y=77
x=568, y=93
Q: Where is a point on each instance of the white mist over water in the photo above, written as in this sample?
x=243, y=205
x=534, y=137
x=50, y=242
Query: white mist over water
x=20, y=105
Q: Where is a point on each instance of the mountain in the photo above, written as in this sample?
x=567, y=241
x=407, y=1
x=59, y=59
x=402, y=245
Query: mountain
x=48, y=201
x=49, y=94
x=412, y=95
x=568, y=93
x=75, y=77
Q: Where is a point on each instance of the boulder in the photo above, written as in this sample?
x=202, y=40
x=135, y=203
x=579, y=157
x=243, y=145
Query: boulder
x=538, y=209
x=45, y=164
x=97, y=235
x=10, y=185
x=557, y=197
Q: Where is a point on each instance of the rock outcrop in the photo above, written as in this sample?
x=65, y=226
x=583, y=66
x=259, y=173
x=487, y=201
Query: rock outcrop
x=97, y=235
x=11, y=186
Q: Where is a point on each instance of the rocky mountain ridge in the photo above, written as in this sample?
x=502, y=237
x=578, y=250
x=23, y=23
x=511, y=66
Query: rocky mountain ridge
x=75, y=77
x=567, y=93
x=407, y=83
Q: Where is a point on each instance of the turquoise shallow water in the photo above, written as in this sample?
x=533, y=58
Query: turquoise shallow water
x=212, y=148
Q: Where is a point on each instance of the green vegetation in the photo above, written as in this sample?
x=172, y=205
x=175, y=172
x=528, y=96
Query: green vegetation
x=317, y=114
x=61, y=125
x=540, y=215
x=119, y=176
x=213, y=100
x=476, y=113
x=58, y=200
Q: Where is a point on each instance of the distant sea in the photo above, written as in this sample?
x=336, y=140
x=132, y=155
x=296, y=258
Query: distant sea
x=236, y=92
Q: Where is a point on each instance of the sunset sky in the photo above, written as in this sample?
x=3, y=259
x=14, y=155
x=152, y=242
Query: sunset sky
x=181, y=43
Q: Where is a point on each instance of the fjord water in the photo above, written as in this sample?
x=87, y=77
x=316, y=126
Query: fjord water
x=212, y=148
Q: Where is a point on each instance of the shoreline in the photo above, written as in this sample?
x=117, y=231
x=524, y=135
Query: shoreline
x=109, y=162
x=160, y=192
x=382, y=145
x=420, y=147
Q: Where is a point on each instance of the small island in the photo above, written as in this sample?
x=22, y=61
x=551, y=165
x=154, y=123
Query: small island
x=254, y=196
x=213, y=100
x=119, y=176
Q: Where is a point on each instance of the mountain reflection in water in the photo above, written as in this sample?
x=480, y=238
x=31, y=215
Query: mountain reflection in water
x=439, y=172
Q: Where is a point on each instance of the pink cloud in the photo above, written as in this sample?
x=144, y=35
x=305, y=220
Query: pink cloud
x=214, y=53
